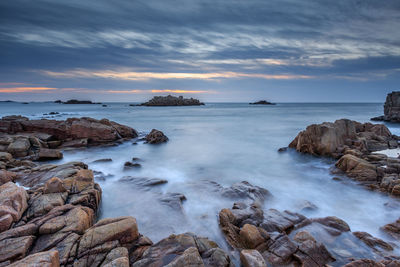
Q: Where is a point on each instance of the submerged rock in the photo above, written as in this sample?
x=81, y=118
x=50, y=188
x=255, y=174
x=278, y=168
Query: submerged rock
x=143, y=181
x=173, y=200
x=244, y=190
x=172, y=101
x=130, y=165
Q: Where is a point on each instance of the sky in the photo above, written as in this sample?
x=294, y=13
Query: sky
x=214, y=50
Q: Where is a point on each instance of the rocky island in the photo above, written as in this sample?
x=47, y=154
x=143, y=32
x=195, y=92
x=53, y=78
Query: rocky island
x=172, y=101
x=391, y=108
x=262, y=102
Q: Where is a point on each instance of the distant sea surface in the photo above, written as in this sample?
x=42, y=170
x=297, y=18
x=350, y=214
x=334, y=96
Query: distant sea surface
x=224, y=143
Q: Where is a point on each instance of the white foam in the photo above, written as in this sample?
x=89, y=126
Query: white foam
x=24, y=187
x=393, y=153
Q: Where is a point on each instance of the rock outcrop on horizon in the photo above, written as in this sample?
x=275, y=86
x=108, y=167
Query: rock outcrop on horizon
x=352, y=144
x=172, y=101
x=391, y=108
x=262, y=102
x=41, y=139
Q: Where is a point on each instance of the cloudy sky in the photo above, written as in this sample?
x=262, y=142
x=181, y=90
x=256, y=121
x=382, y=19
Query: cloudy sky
x=216, y=50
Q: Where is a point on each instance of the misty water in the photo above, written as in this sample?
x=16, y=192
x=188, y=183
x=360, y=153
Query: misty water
x=225, y=143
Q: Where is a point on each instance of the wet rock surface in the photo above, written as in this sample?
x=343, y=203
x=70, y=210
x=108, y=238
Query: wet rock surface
x=274, y=238
x=184, y=250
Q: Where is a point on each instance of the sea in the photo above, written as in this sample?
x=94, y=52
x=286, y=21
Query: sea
x=220, y=144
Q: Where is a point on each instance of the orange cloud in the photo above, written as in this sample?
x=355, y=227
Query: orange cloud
x=25, y=89
x=135, y=76
x=179, y=91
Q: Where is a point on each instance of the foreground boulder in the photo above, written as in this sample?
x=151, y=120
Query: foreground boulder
x=43, y=259
x=391, y=108
x=13, y=203
x=184, y=250
x=270, y=237
x=172, y=101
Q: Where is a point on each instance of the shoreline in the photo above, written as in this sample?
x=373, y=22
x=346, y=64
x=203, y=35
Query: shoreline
x=271, y=221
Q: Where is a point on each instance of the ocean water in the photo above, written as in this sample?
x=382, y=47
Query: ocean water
x=224, y=143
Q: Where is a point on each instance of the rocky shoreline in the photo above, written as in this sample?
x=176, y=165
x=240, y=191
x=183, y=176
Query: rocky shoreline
x=48, y=212
x=354, y=146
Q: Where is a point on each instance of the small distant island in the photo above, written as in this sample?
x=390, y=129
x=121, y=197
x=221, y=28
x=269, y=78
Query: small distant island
x=172, y=101
x=262, y=102
x=75, y=101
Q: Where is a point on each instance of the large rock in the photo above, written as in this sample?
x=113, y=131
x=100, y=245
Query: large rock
x=19, y=147
x=172, y=101
x=13, y=203
x=6, y=176
x=92, y=130
x=252, y=258
x=43, y=259
x=332, y=139
x=184, y=250
x=393, y=229
x=118, y=231
x=357, y=168
x=391, y=108
x=48, y=154
x=15, y=248
x=156, y=137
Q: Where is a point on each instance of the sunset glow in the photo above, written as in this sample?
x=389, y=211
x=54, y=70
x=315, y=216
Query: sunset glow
x=25, y=89
x=137, y=76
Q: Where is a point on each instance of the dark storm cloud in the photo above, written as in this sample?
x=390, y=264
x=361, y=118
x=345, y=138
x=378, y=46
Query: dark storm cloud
x=308, y=41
